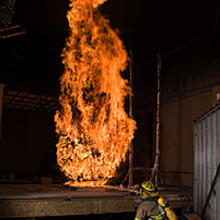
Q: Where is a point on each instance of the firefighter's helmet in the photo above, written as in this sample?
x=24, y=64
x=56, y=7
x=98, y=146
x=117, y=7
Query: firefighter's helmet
x=148, y=189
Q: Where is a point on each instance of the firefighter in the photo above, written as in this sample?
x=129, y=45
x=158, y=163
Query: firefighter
x=153, y=207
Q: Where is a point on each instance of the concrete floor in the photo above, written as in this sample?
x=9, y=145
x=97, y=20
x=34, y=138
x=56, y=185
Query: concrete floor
x=44, y=200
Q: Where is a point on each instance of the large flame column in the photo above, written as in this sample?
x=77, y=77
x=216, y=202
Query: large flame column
x=94, y=129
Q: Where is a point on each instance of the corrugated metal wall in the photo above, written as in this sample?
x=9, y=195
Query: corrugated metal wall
x=206, y=161
x=188, y=86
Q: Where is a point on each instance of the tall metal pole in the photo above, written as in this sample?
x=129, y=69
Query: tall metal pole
x=155, y=171
x=131, y=150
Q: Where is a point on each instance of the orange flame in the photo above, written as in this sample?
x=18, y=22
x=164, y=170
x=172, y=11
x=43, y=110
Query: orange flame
x=94, y=129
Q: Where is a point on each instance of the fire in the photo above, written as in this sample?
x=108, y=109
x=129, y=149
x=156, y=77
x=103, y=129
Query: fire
x=94, y=129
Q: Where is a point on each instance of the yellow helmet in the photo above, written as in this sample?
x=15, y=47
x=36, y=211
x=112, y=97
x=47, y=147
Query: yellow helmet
x=148, y=189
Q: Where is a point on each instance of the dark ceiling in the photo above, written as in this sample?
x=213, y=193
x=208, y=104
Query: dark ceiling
x=145, y=26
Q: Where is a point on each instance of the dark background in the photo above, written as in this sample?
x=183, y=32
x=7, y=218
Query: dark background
x=146, y=27
x=32, y=62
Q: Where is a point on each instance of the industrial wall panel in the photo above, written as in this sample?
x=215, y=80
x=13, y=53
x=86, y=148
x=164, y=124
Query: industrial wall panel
x=206, y=162
x=177, y=136
x=217, y=161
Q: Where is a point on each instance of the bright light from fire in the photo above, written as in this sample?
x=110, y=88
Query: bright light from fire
x=94, y=129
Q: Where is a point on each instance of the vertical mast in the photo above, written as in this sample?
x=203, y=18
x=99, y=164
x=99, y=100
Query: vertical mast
x=131, y=150
x=155, y=171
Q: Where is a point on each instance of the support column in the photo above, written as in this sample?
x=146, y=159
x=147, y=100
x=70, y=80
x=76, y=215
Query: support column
x=131, y=150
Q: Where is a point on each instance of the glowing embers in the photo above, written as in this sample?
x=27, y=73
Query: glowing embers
x=94, y=129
